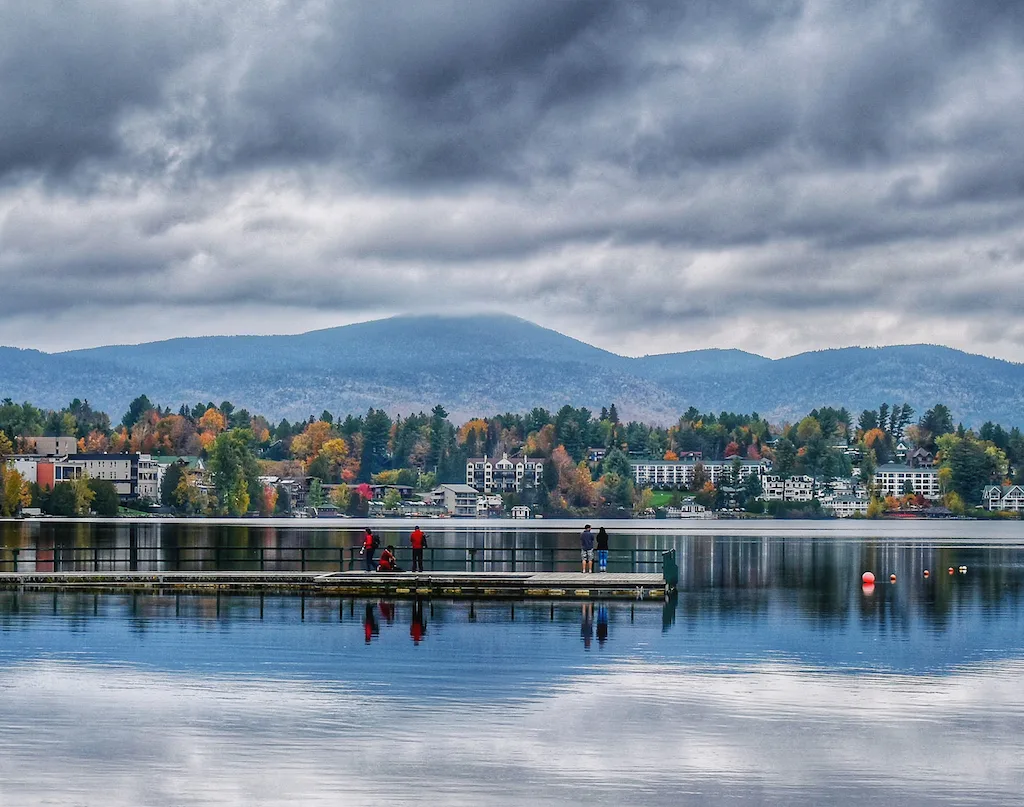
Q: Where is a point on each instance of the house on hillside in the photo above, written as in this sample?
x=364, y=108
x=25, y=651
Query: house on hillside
x=1003, y=497
x=920, y=458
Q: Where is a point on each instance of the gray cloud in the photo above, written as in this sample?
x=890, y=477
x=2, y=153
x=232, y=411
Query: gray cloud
x=772, y=176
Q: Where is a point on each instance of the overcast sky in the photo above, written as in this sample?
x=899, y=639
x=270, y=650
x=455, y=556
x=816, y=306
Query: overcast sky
x=648, y=176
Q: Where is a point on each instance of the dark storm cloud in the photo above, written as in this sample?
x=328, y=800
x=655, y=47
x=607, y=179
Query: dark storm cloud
x=639, y=164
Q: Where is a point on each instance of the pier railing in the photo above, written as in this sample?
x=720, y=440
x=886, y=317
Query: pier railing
x=190, y=558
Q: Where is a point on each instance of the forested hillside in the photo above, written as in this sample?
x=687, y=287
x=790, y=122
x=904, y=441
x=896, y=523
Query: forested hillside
x=497, y=364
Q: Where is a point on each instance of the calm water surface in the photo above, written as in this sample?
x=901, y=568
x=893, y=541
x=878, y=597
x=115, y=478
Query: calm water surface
x=774, y=678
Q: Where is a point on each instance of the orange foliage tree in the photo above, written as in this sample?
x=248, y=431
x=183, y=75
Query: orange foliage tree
x=478, y=425
x=213, y=420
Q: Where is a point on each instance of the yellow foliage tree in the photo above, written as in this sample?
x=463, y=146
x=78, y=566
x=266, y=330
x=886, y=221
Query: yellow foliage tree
x=341, y=496
x=13, y=490
x=212, y=421
x=478, y=425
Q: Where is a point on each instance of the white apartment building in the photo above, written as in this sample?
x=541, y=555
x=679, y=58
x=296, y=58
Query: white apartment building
x=893, y=478
x=134, y=476
x=1003, y=497
x=675, y=474
x=845, y=506
x=792, y=489
x=504, y=475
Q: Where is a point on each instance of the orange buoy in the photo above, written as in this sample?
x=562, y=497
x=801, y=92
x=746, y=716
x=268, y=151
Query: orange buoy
x=867, y=577
x=925, y=572
x=892, y=578
x=951, y=570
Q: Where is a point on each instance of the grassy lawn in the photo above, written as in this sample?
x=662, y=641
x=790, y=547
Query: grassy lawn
x=661, y=498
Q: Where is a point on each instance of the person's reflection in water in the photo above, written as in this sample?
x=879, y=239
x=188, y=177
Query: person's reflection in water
x=370, y=626
x=418, y=628
x=602, y=624
x=587, y=624
x=387, y=611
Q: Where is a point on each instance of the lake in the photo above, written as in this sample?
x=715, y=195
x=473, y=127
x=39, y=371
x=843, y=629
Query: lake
x=772, y=677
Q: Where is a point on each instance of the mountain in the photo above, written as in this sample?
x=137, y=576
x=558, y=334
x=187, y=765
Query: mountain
x=486, y=364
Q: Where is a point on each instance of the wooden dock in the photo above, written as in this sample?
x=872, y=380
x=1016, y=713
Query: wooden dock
x=463, y=585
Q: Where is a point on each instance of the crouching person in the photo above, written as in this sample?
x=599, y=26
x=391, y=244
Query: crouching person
x=388, y=562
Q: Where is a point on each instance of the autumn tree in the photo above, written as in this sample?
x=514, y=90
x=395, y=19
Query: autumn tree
x=14, y=491
x=581, y=492
x=212, y=422
x=268, y=502
x=307, y=445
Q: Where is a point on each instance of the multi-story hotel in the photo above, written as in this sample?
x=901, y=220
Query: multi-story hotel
x=679, y=473
x=893, y=479
x=504, y=475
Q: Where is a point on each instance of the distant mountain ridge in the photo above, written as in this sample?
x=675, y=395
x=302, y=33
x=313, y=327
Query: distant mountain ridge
x=481, y=365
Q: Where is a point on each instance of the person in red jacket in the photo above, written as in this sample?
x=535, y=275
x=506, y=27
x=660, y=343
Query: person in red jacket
x=419, y=543
x=388, y=561
x=369, y=547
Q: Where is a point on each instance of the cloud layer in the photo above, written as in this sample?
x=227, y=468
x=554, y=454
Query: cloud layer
x=775, y=176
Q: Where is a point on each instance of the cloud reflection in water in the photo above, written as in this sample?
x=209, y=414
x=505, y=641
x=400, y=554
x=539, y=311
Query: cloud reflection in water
x=629, y=733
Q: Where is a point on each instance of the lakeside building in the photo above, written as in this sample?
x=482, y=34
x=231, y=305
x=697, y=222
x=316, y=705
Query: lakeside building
x=1003, y=497
x=688, y=508
x=134, y=476
x=845, y=505
x=489, y=505
x=680, y=473
x=790, y=489
x=894, y=479
x=504, y=475
x=458, y=500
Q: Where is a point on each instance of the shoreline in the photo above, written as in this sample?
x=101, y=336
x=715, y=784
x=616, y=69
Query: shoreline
x=958, y=529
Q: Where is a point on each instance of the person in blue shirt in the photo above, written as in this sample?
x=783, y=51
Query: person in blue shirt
x=587, y=549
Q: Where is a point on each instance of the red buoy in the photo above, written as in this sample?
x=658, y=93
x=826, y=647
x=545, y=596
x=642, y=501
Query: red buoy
x=867, y=577
x=868, y=588
x=925, y=572
x=951, y=570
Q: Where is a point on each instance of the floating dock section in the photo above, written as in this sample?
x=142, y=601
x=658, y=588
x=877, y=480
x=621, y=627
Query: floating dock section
x=463, y=585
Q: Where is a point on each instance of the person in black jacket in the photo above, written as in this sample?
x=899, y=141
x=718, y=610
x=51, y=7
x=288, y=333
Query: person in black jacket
x=602, y=550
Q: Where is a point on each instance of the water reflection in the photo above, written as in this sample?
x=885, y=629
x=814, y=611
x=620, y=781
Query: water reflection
x=631, y=733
